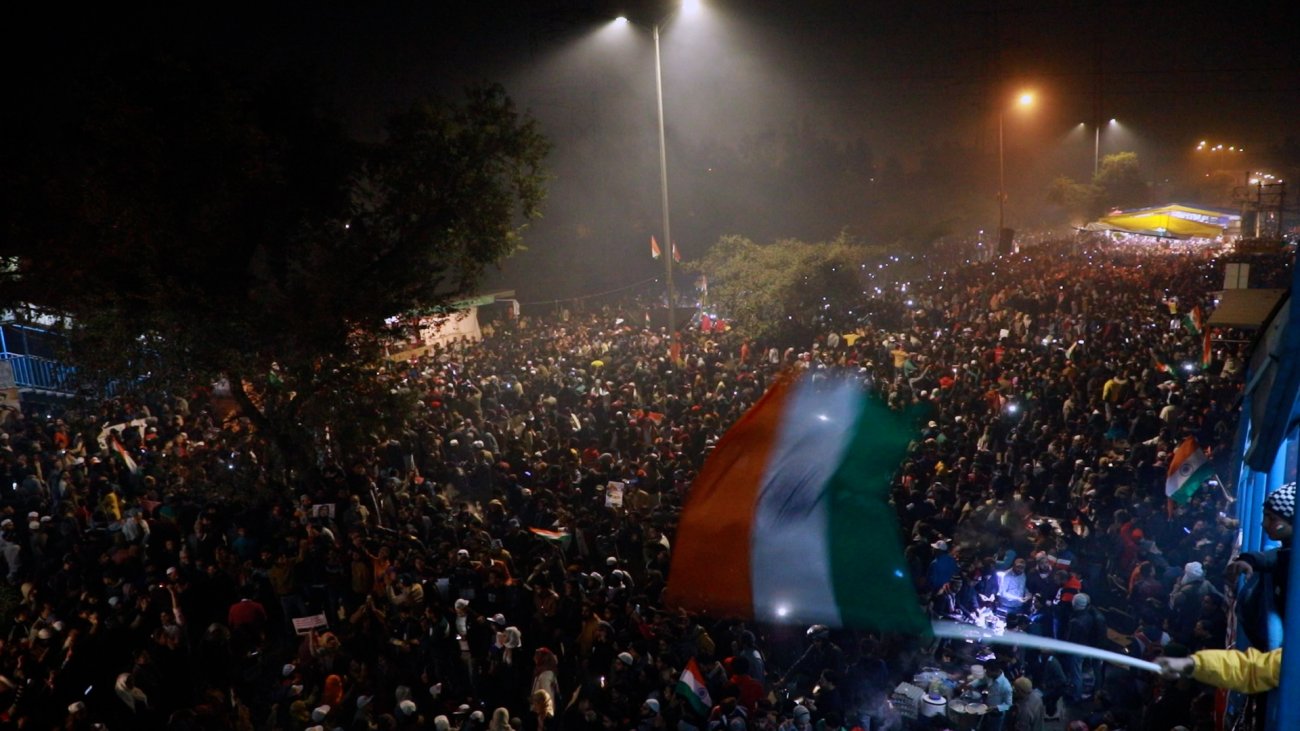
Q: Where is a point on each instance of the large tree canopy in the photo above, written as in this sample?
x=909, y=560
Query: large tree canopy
x=788, y=290
x=187, y=224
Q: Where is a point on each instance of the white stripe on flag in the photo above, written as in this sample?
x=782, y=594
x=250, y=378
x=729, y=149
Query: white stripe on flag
x=789, y=547
x=1183, y=471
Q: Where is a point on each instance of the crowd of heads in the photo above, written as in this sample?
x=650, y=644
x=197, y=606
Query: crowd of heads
x=499, y=562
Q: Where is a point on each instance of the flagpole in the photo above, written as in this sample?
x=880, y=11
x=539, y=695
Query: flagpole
x=956, y=631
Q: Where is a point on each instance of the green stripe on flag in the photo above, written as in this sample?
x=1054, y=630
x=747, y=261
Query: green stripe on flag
x=872, y=584
x=1193, y=483
x=696, y=704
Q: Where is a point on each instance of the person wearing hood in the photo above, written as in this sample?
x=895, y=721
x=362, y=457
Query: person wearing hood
x=1186, y=599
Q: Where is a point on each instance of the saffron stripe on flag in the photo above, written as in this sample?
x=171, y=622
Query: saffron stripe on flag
x=716, y=520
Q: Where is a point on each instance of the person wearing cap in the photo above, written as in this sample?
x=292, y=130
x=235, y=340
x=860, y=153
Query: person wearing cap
x=942, y=567
x=1086, y=626
x=1263, y=595
x=649, y=720
x=1030, y=710
x=800, y=719
x=954, y=601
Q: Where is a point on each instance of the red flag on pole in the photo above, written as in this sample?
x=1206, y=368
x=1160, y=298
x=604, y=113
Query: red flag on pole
x=654, y=249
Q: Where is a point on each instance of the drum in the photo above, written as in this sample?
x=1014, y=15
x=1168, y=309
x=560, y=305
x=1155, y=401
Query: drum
x=933, y=705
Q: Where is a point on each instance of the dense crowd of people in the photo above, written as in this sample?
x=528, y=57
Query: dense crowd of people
x=476, y=570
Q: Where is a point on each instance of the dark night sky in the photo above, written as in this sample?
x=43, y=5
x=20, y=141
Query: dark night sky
x=900, y=77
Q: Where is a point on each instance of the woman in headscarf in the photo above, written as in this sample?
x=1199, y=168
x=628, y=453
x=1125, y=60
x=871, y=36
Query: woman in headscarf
x=500, y=720
x=545, y=666
x=503, y=667
x=541, y=712
x=133, y=709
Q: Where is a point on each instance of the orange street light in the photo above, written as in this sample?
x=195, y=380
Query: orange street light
x=1024, y=99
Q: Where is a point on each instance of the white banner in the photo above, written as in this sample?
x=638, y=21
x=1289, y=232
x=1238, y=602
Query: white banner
x=305, y=625
x=614, y=495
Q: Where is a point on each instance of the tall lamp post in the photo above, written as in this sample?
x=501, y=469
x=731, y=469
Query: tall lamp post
x=670, y=249
x=1025, y=99
x=1096, y=148
x=687, y=5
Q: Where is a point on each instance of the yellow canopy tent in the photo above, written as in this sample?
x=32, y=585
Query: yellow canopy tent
x=1171, y=221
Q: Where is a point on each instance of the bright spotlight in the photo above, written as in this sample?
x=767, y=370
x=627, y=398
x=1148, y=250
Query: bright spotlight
x=782, y=610
x=1026, y=99
x=690, y=6
x=621, y=20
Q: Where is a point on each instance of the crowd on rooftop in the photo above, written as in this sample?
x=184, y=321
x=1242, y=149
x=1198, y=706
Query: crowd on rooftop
x=473, y=572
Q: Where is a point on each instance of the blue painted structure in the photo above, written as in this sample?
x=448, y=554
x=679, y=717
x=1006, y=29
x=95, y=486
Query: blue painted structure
x=31, y=352
x=1267, y=449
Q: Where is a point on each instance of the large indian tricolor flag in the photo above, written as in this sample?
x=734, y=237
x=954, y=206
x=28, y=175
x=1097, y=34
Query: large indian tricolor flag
x=1189, y=468
x=789, y=519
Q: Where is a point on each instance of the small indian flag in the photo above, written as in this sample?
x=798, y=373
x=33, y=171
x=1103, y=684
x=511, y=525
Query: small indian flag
x=655, y=253
x=125, y=456
x=789, y=519
x=690, y=685
x=1192, y=320
x=1188, y=470
x=559, y=537
x=1160, y=365
x=1207, y=351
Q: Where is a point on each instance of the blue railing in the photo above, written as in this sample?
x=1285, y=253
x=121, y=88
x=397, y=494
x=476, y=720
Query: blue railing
x=41, y=373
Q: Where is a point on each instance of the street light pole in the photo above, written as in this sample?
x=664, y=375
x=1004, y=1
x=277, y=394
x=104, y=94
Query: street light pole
x=669, y=249
x=1025, y=99
x=1096, y=152
x=1002, y=182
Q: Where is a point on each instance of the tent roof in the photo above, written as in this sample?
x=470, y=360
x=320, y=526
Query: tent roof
x=1245, y=308
x=1173, y=221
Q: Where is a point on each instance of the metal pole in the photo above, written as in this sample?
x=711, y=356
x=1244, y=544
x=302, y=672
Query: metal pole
x=1096, y=152
x=663, y=192
x=1002, y=190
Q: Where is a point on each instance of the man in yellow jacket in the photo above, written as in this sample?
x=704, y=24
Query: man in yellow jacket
x=1251, y=671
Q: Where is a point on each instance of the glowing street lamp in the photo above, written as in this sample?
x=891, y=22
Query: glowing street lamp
x=1025, y=99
